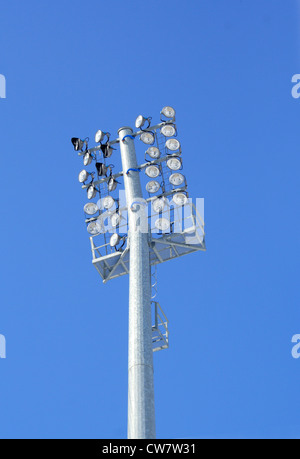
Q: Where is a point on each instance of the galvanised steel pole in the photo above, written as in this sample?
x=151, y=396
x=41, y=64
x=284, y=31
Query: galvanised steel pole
x=141, y=412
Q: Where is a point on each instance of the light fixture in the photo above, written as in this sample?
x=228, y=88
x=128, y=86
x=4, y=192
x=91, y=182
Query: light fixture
x=107, y=202
x=174, y=163
x=147, y=137
x=172, y=144
x=153, y=152
x=153, y=186
x=159, y=204
x=180, y=199
x=83, y=176
x=91, y=192
x=99, y=136
x=101, y=169
x=168, y=130
x=152, y=171
x=176, y=179
x=112, y=184
x=78, y=143
x=115, y=220
x=140, y=121
x=87, y=159
x=162, y=224
x=168, y=112
x=91, y=208
x=107, y=150
x=114, y=240
x=94, y=228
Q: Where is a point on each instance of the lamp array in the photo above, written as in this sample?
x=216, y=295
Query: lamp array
x=106, y=183
x=102, y=189
x=164, y=165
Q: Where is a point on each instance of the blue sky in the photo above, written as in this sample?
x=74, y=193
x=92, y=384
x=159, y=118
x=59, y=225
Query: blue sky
x=74, y=67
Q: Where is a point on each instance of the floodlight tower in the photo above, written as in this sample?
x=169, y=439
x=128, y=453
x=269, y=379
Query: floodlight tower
x=145, y=248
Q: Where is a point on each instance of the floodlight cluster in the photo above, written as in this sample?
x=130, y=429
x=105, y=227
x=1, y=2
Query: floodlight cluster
x=100, y=184
x=164, y=166
x=163, y=169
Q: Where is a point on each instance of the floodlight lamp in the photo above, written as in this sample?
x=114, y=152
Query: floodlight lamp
x=94, y=228
x=115, y=220
x=99, y=136
x=168, y=130
x=112, y=184
x=91, y=208
x=114, y=240
x=141, y=120
x=168, y=112
x=176, y=179
x=91, y=192
x=83, y=176
x=162, y=224
x=159, y=205
x=147, y=137
x=152, y=187
x=174, y=163
x=152, y=171
x=101, y=169
x=87, y=159
x=180, y=199
x=172, y=144
x=78, y=143
x=107, y=202
x=153, y=152
x=107, y=150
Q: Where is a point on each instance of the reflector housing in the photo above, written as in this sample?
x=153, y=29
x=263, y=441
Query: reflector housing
x=147, y=137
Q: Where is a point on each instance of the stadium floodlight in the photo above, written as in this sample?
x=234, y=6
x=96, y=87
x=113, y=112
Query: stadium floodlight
x=159, y=205
x=99, y=136
x=162, y=224
x=141, y=120
x=168, y=130
x=147, y=137
x=101, y=169
x=115, y=219
x=180, y=199
x=114, y=240
x=87, y=159
x=91, y=208
x=107, y=202
x=112, y=184
x=94, y=228
x=84, y=175
x=152, y=171
x=117, y=242
x=107, y=150
x=91, y=192
x=173, y=144
x=153, y=152
x=153, y=186
x=174, y=163
x=78, y=143
x=177, y=179
x=168, y=112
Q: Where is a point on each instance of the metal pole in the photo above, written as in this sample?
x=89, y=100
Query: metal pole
x=141, y=412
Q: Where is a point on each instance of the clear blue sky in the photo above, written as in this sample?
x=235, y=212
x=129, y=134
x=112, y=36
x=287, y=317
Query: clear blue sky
x=73, y=67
